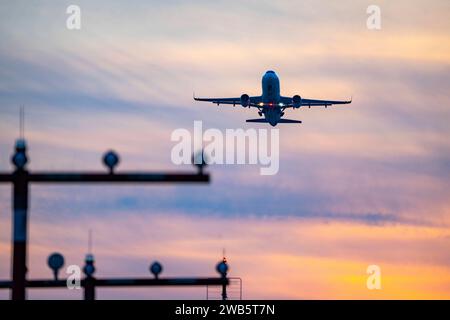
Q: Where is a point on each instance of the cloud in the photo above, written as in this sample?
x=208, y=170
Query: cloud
x=324, y=260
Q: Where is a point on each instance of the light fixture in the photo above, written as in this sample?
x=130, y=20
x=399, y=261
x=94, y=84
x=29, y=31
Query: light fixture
x=111, y=160
x=156, y=268
x=55, y=262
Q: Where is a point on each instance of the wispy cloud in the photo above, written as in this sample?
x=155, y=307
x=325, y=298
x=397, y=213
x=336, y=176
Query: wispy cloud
x=262, y=252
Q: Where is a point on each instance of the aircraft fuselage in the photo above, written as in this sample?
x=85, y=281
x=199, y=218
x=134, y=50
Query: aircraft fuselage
x=271, y=98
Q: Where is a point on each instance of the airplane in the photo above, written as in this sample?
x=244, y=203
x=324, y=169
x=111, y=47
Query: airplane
x=271, y=104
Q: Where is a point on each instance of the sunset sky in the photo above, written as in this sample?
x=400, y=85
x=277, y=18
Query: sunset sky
x=361, y=184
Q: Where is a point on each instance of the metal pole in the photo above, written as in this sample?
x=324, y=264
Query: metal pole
x=224, y=292
x=20, y=207
x=89, y=289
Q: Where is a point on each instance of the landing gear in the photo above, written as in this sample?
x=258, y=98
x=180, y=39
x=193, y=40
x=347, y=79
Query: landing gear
x=260, y=113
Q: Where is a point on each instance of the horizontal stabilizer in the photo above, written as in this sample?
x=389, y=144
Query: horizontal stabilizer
x=256, y=120
x=262, y=120
x=289, y=121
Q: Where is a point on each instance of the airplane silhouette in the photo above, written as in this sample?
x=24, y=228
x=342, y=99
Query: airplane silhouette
x=271, y=104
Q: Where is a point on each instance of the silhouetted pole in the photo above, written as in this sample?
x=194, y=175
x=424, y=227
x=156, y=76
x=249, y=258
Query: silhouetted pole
x=222, y=268
x=20, y=207
x=20, y=234
x=21, y=178
x=89, y=286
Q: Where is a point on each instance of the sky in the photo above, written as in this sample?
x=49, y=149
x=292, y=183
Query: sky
x=361, y=184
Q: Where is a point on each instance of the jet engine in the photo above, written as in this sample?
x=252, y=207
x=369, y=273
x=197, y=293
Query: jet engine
x=296, y=101
x=245, y=100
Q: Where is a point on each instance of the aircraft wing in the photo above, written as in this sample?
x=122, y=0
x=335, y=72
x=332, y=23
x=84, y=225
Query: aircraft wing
x=253, y=101
x=313, y=102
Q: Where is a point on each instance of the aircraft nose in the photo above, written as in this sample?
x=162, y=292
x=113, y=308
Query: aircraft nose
x=269, y=74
